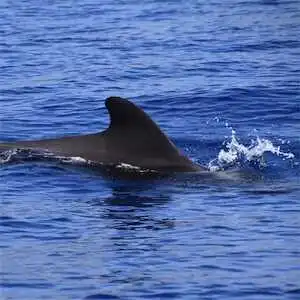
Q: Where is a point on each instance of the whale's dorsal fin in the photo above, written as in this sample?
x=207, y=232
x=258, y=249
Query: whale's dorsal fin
x=124, y=114
x=132, y=130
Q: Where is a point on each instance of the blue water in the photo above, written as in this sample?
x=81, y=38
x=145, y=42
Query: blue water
x=221, y=78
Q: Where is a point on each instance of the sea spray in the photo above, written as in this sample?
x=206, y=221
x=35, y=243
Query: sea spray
x=236, y=154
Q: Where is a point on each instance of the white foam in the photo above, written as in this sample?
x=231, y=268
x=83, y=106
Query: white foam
x=72, y=160
x=236, y=153
x=7, y=156
x=127, y=166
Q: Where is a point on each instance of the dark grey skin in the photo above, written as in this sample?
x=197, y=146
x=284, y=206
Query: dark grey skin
x=132, y=138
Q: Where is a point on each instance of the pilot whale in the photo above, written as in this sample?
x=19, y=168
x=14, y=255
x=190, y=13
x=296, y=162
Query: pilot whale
x=132, y=137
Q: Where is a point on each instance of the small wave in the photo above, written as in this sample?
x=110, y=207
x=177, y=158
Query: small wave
x=131, y=168
x=15, y=155
x=127, y=166
x=75, y=160
x=18, y=155
x=7, y=156
x=22, y=155
x=237, y=154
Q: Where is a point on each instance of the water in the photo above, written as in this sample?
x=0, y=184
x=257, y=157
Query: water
x=222, y=79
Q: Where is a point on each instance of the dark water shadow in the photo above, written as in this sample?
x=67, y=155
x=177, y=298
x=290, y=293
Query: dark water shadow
x=134, y=200
x=130, y=205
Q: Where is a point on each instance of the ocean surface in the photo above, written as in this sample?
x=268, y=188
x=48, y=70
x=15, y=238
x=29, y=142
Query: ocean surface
x=222, y=79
